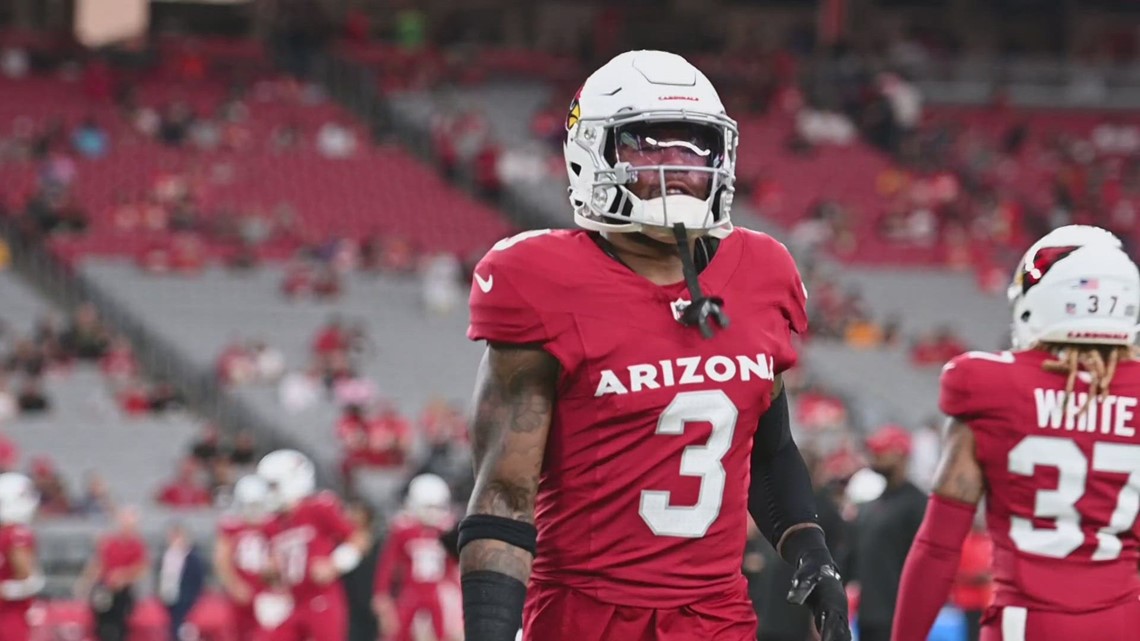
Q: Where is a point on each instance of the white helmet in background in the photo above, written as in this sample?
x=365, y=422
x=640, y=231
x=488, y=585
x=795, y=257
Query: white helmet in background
x=290, y=476
x=18, y=498
x=618, y=101
x=1075, y=285
x=429, y=499
x=252, y=498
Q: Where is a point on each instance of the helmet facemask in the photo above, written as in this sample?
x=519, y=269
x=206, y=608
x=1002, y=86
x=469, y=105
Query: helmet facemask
x=638, y=157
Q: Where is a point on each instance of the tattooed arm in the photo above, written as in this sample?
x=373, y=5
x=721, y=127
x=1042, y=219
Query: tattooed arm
x=959, y=475
x=514, y=400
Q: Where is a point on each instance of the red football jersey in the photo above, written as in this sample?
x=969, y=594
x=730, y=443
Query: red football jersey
x=13, y=537
x=413, y=557
x=643, y=495
x=1062, y=489
x=249, y=549
x=311, y=530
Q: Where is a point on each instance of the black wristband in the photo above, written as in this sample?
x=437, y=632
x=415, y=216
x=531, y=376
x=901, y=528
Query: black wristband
x=804, y=541
x=487, y=526
x=492, y=605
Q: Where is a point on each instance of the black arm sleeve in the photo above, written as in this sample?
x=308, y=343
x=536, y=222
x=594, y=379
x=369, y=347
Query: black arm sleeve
x=781, y=493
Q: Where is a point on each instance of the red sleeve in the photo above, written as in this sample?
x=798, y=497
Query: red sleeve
x=138, y=552
x=387, y=564
x=795, y=309
x=500, y=311
x=930, y=567
x=957, y=397
x=334, y=520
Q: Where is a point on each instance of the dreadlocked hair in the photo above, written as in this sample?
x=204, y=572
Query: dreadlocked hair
x=1099, y=361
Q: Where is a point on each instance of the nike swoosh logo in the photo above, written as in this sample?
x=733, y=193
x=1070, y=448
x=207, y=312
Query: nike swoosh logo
x=485, y=284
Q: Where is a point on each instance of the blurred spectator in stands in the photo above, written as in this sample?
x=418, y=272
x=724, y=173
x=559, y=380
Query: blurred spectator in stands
x=298, y=280
x=205, y=134
x=440, y=282
x=331, y=339
x=352, y=431
x=175, y=122
x=86, y=338
x=300, y=390
x=26, y=358
x=326, y=283
x=398, y=255
x=54, y=500
x=118, y=363
x=862, y=332
x=134, y=397
x=89, y=139
x=96, y=498
x=336, y=141
x=821, y=127
x=884, y=531
x=269, y=362
x=350, y=387
x=9, y=406
x=485, y=165
x=207, y=446
x=936, y=348
x=108, y=580
x=974, y=585
x=285, y=137
x=389, y=435
x=31, y=397
x=186, y=489
x=14, y=62
x=9, y=454
x=549, y=124
x=236, y=365
x=181, y=579
x=244, y=450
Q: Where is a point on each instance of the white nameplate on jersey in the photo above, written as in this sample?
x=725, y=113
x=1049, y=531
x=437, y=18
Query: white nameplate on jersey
x=690, y=370
x=1110, y=415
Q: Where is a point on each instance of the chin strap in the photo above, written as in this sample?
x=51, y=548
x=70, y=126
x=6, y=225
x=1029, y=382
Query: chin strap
x=703, y=307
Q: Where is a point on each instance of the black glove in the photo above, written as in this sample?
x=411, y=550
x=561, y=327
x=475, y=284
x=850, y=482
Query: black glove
x=816, y=584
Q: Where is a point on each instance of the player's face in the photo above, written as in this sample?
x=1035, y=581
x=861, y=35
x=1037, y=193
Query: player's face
x=674, y=144
x=887, y=463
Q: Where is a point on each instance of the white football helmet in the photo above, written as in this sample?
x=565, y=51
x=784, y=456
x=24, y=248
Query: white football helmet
x=1075, y=285
x=290, y=476
x=429, y=499
x=635, y=88
x=252, y=498
x=18, y=498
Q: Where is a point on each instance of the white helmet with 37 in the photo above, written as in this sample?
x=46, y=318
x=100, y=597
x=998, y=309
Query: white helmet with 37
x=1075, y=285
x=290, y=476
x=635, y=89
x=19, y=499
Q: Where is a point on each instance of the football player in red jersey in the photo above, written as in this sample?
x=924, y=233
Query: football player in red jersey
x=1047, y=434
x=623, y=428
x=241, y=554
x=415, y=557
x=312, y=542
x=20, y=576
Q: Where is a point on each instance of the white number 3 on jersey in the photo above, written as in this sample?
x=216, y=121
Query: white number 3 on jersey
x=702, y=461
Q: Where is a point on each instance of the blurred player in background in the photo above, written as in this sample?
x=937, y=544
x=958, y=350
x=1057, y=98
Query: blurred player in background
x=1047, y=433
x=241, y=552
x=20, y=576
x=415, y=564
x=623, y=427
x=312, y=542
